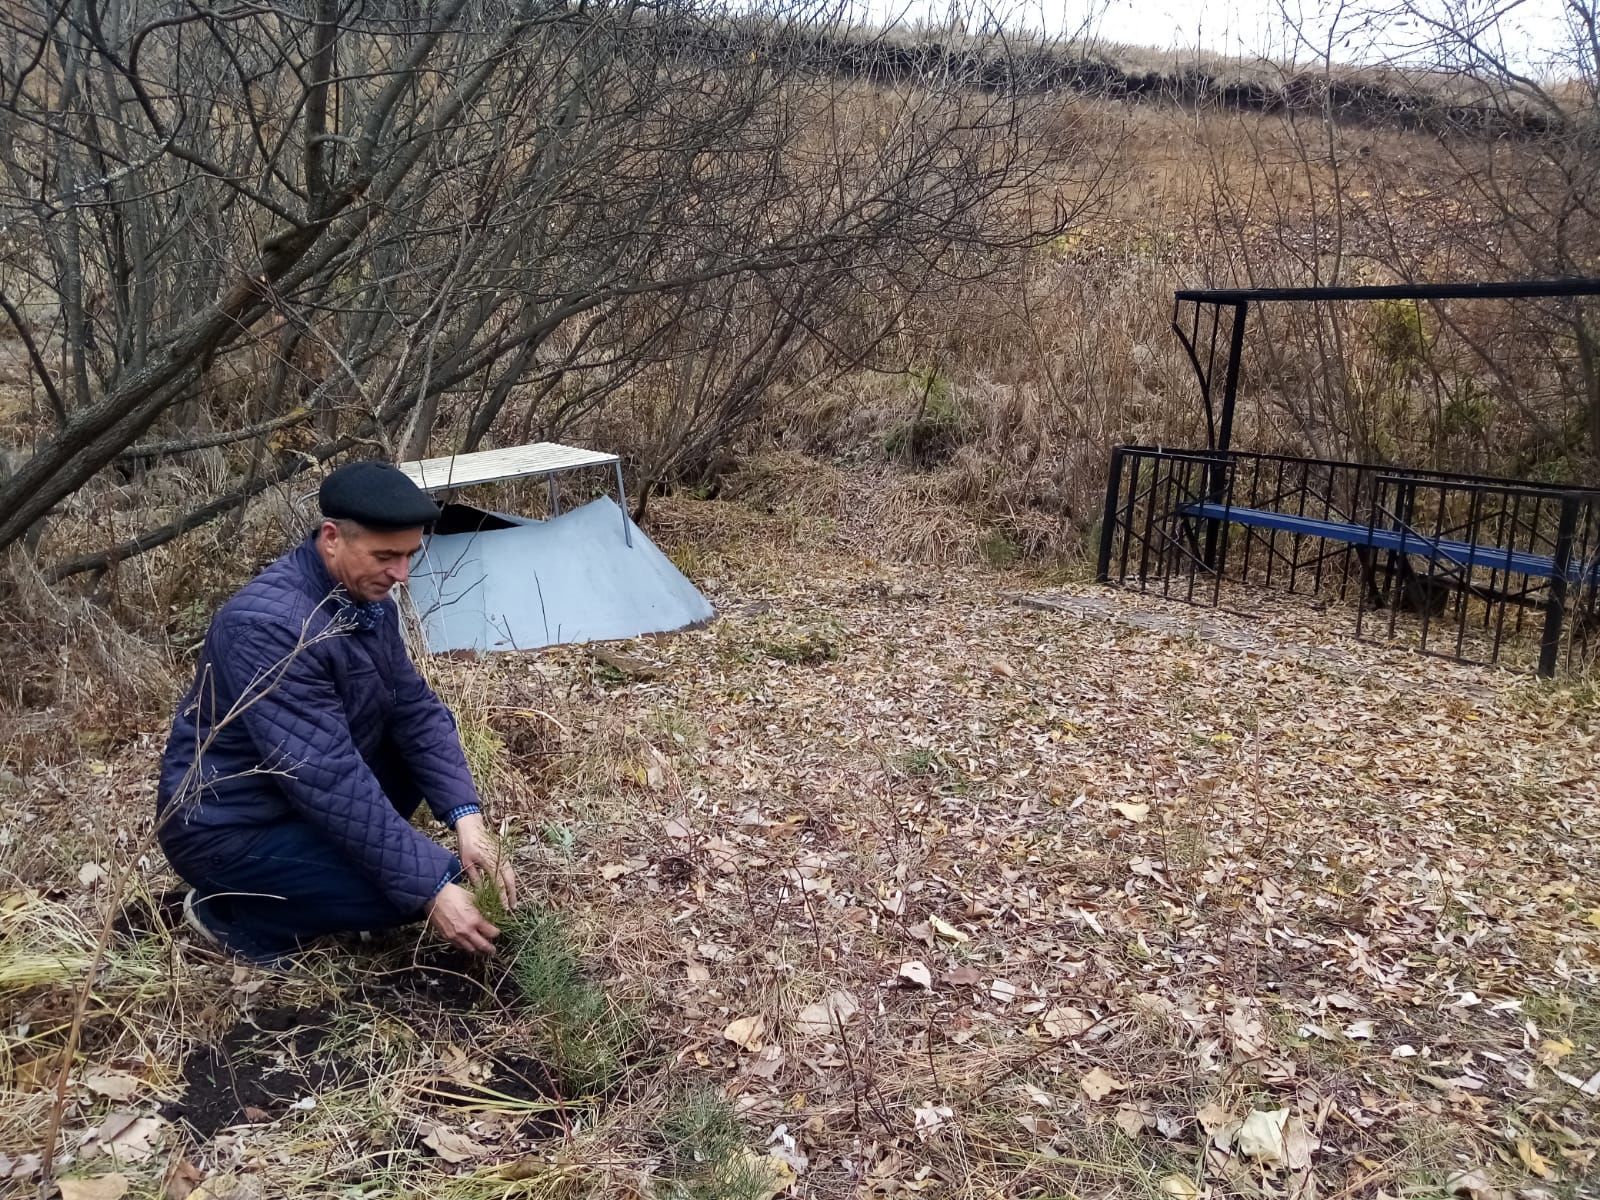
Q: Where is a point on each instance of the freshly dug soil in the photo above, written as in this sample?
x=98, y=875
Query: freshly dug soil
x=259, y=1070
x=140, y=919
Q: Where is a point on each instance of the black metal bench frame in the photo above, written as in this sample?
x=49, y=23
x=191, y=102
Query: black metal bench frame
x=1486, y=547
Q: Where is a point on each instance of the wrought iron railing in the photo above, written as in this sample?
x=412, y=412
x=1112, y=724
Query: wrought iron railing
x=1473, y=567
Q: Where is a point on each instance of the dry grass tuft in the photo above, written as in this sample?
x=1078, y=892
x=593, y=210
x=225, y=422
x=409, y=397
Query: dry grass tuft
x=77, y=679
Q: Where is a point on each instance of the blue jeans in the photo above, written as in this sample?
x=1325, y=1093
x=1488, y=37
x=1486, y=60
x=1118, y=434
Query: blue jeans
x=265, y=892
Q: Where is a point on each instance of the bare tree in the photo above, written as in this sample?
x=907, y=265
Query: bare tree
x=1493, y=178
x=398, y=227
x=1538, y=194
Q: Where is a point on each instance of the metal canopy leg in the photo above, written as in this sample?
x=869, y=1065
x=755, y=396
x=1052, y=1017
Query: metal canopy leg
x=622, y=503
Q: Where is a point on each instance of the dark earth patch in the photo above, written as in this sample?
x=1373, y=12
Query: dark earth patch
x=258, y=1070
x=141, y=918
x=522, y=1078
x=442, y=981
x=512, y=1077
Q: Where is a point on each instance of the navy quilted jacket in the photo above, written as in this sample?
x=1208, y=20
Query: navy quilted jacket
x=309, y=716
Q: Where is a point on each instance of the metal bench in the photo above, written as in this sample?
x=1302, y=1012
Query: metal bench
x=1466, y=555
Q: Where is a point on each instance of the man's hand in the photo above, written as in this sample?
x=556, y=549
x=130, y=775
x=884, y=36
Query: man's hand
x=480, y=854
x=456, y=919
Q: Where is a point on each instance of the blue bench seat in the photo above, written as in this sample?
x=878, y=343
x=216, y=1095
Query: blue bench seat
x=1404, y=541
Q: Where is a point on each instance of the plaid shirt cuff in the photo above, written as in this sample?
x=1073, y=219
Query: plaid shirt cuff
x=459, y=811
x=449, y=877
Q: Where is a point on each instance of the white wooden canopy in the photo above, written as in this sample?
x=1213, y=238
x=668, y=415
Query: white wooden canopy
x=497, y=466
x=516, y=462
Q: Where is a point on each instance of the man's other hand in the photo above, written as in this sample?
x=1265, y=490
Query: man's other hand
x=456, y=919
x=481, y=855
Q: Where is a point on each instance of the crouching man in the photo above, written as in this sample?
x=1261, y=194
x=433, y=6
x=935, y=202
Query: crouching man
x=307, y=741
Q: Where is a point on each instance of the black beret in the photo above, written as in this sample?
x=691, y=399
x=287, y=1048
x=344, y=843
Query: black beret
x=376, y=494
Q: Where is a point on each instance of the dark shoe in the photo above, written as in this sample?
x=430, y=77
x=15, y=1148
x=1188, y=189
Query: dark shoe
x=191, y=918
x=221, y=937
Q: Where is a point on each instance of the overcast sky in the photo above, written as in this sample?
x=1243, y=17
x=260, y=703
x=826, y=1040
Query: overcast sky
x=1531, y=31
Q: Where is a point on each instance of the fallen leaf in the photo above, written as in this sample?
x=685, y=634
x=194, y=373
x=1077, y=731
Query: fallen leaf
x=229, y=1187
x=948, y=931
x=95, y=1187
x=1216, y=1121
x=90, y=874
x=1552, y=1051
x=1132, y=1119
x=1132, y=812
x=916, y=973
x=36, y=1074
x=182, y=1179
x=528, y=1167
x=745, y=1032
x=930, y=1117
x=828, y=1016
x=1041, y=1127
x=1474, y=1184
x=452, y=1146
x=1589, y=1087
x=455, y=1063
x=1466, y=1083
x=1359, y=1030
x=1244, y=1022
x=113, y=1085
x=1097, y=1084
x=1064, y=1022
x=126, y=1137
x=761, y=1176
x=1180, y=1187
x=767, y=1062
x=1261, y=1137
x=627, y=664
x=1298, y=1144
x=1003, y=991
x=1532, y=1159
x=22, y=1167
x=1148, y=867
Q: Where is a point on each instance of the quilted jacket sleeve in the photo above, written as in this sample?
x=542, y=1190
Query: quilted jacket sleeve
x=293, y=714
x=424, y=732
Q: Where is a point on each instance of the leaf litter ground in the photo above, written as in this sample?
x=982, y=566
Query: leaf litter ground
x=948, y=894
